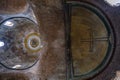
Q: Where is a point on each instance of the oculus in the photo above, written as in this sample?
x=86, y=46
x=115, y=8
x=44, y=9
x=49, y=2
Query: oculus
x=20, y=43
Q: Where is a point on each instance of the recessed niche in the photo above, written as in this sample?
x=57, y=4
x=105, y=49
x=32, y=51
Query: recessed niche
x=91, y=40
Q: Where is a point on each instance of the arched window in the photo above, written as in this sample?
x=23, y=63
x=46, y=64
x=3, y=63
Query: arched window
x=90, y=40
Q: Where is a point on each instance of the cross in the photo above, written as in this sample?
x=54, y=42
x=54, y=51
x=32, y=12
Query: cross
x=92, y=40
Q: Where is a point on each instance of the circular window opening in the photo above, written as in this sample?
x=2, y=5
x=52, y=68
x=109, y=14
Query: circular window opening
x=20, y=43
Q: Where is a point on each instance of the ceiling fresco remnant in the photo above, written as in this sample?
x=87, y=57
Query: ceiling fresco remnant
x=33, y=40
